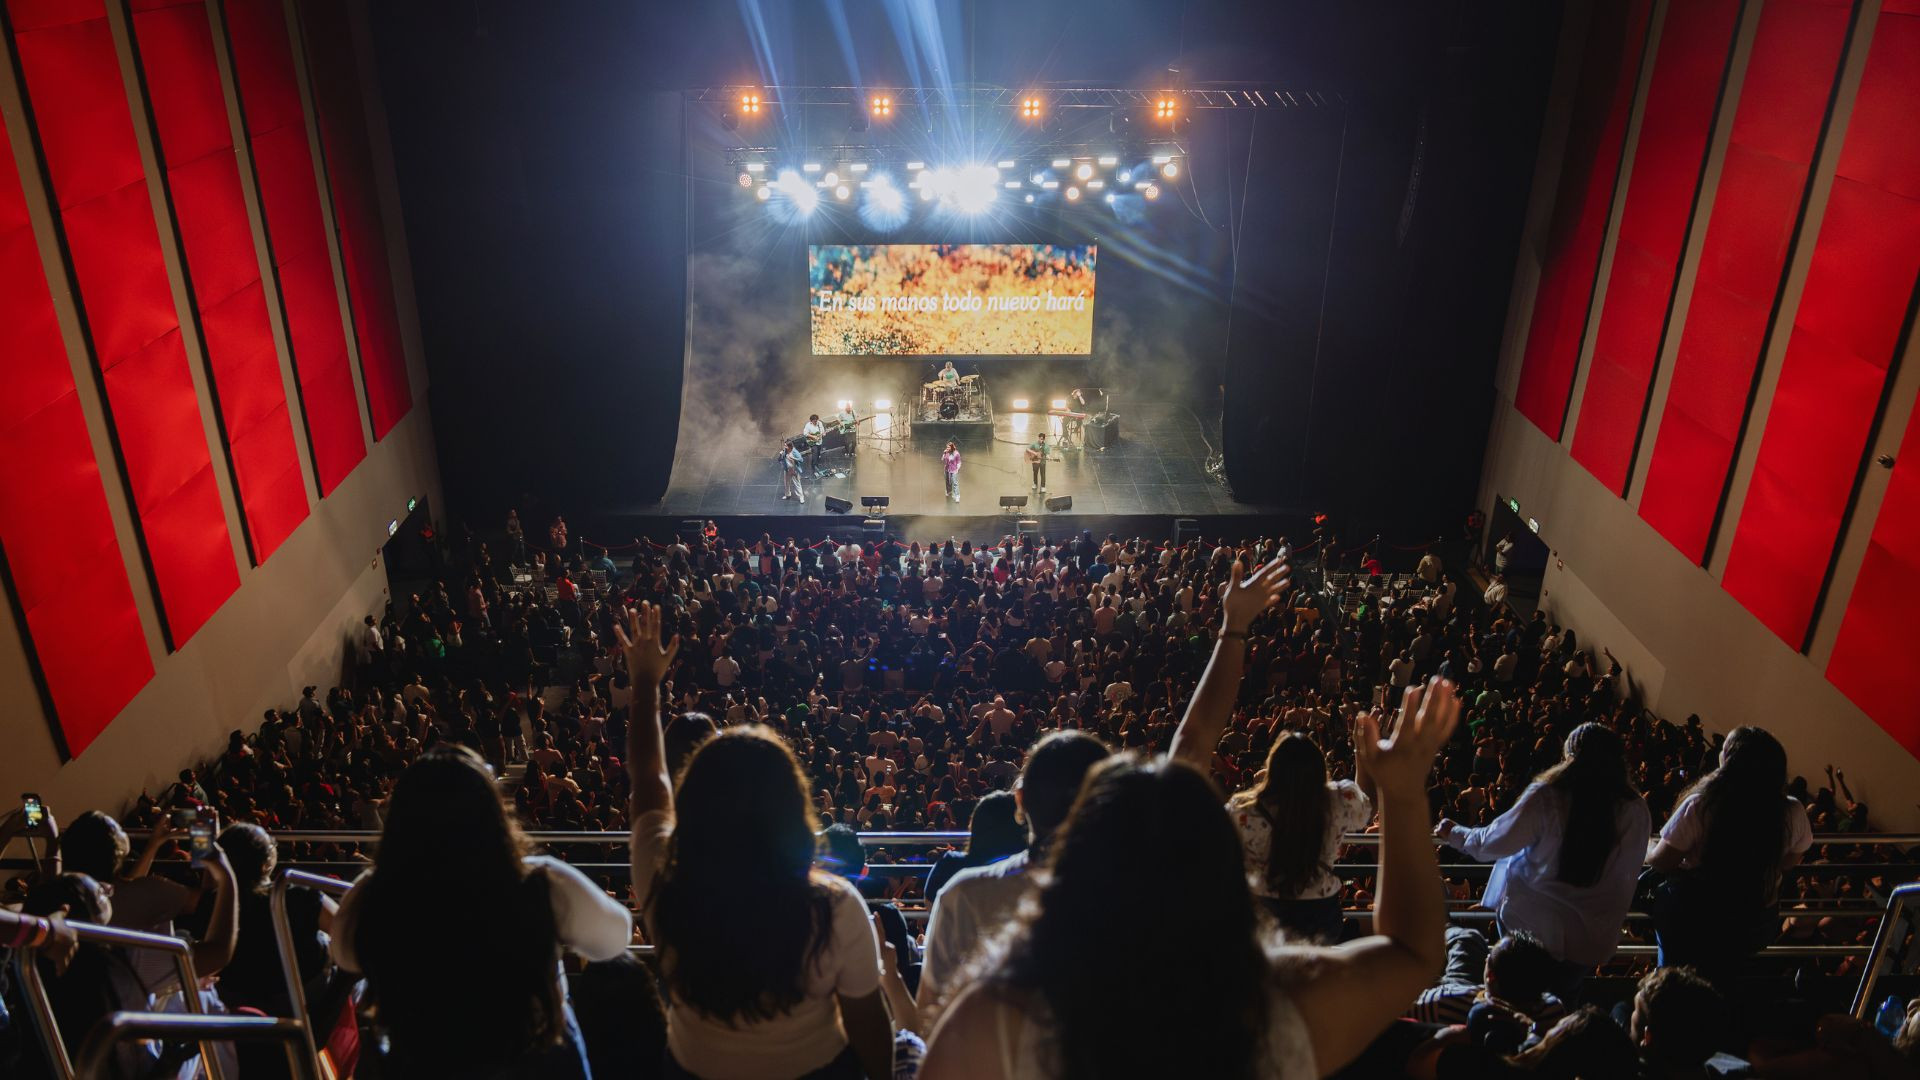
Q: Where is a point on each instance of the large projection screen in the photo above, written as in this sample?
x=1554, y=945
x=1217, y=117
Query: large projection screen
x=951, y=299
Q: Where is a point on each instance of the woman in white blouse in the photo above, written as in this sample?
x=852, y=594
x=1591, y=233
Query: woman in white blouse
x=1569, y=850
x=459, y=931
x=1292, y=875
x=770, y=967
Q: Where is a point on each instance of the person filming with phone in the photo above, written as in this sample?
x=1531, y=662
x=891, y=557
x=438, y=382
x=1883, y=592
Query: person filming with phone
x=94, y=844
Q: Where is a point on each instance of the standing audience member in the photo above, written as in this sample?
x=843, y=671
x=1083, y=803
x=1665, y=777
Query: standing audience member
x=770, y=966
x=1570, y=852
x=1730, y=838
x=459, y=931
x=1147, y=845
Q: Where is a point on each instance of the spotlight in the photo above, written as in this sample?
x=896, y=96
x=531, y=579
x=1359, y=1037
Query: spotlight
x=882, y=404
x=1125, y=175
x=884, y=197
x=1030, y=108
x=1012, y=185
x=1021, y=403
x=926, y=193
x=858, y=166
x=746, y=179
x=843, y=404
x=1109, y=196
x=973, y=187
x=1051, y=184
x=763, y=193
x=881, y=106
x=1085, y=170
x=830, y=179
x=1109, y=160
x=1029, y=198
x=1073, y=194
x=1059, y=403
x=1151, y=191
x=842, y=192
x=800, y=193
x=1096, y=185
x=1170, y=170
x=1039, y=178
x=916, y=166
x=1006, y=164
x=1061, y=163
x=1164, y=109
x=750, y=104
x=811, y=166
x=756, y=166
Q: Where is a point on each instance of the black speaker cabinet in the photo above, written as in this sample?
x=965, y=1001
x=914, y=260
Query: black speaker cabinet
x=1103, y=432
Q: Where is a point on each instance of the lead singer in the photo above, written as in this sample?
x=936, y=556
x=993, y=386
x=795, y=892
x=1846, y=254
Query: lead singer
x=950, y=459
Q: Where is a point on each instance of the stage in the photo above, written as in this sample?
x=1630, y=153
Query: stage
x=1156, y=468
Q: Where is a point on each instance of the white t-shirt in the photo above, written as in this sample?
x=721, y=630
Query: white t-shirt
x=590, y=923
x=1686, y=830
x=975, y=904
x=1351, y=812
x=803, y=1039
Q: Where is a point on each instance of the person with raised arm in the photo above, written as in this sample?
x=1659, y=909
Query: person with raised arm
x=1198, y=993
x=770, y=965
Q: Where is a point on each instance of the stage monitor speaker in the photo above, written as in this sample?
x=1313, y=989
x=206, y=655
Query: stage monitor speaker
x=1103, y=432
x=875, y=528
x=1026, y=527
x=838, y=506
x=1185, y=529
x=872, y=501
x=692, y=527
x=1059, y=503
x=1013, y=502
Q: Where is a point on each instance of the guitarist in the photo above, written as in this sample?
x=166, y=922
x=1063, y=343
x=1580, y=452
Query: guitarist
x=849, y=426
x=814, y=433
x=1037, y=458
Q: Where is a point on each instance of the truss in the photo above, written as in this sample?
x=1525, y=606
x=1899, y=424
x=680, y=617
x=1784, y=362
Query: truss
x=1052, y=98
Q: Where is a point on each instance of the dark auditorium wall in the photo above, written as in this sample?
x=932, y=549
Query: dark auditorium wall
x=1708, y=379
x=215, y=401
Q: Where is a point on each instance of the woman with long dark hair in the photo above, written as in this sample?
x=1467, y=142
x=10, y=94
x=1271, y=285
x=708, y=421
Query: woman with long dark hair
x=771, y=967
x=1290, y=826
x=1730, y=838
x=995, y=832
x=1080, y=991
x=1569, y=850
x=459, y=931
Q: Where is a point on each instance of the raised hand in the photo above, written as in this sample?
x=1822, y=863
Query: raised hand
x=648, y=657
x=1244, y=599
x=1400, y=762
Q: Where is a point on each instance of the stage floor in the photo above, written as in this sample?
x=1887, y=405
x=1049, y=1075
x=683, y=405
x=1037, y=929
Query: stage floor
x=1158, y=466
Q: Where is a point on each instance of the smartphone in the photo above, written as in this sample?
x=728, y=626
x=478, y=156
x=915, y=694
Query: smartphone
x=183, y=817
x=200, y=837
x=33, y=810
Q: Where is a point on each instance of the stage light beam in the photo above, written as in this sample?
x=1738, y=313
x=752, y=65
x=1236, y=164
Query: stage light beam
x=1085, y=170
x=973, y=188
x=1073, y=194
x=763, y=193
x=882, y=404
x=1170, y=170
x=1021, y=403
x=842, y=192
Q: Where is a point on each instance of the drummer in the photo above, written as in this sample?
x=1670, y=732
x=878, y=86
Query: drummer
x=949, y=375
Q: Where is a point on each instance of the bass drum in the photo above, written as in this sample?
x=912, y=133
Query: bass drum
x=949, y=406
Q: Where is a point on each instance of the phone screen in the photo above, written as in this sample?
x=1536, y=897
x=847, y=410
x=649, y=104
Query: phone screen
x=33, y=810
x=200, y=842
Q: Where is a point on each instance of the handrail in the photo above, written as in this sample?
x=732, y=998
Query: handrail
x=94, y=933
x=289, y=955
x=884, y=839
x=96, y=1054
x=1883, y=943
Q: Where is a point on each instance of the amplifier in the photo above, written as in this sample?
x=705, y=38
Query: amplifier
x=1103, y=432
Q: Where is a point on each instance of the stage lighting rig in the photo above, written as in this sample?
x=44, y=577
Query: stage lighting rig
x=1030, y=108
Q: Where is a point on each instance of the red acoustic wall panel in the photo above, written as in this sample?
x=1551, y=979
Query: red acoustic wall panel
x=1790, y=80
x=356, y=208
x=296, y=233
x=175, y=40
x=1872, y=660
x=1603, y=101
x=1859, y=287
x=55, y=530
x=1682, y=101
x=79, y=105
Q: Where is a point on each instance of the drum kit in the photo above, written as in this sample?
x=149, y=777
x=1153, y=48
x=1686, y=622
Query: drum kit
x=949, y=398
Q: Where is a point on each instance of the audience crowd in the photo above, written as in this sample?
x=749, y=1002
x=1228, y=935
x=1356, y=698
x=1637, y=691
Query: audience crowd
x=1161, y=754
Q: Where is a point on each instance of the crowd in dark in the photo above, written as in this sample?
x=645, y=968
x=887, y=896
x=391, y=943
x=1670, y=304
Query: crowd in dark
x=721, y=701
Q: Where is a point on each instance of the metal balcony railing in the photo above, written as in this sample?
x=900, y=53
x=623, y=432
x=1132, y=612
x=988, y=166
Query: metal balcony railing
x=96, y=1054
